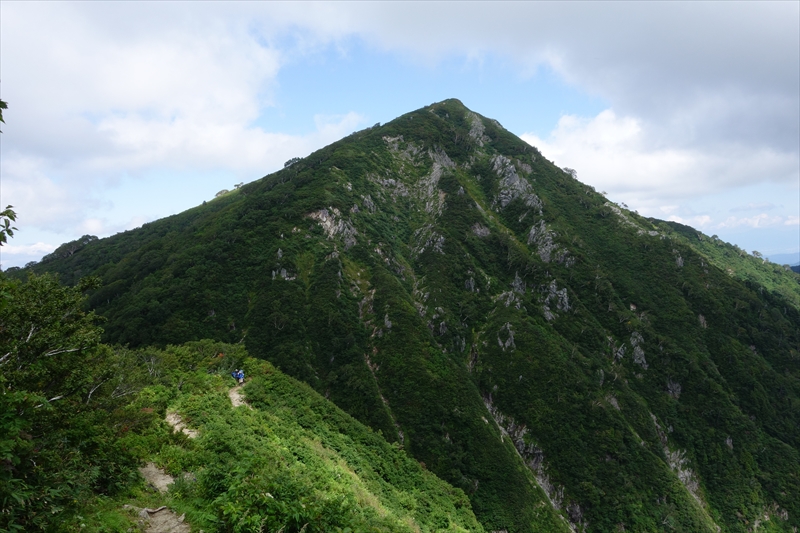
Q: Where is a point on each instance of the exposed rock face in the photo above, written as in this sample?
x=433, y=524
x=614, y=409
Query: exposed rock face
x=508, y=333
x=680, y=466
x=480, y=230
x=512, y=186
x=509, y=298
x=368, y=203
x=476, y=129
x=552, y=296
x=625, y=220
x=638, y=353
x=427, y=189
x=409, y=153
x=518, y=285
x=333, y=225
x=674, y=389
x=542, y=238
x=470, y=284
x=427, y=238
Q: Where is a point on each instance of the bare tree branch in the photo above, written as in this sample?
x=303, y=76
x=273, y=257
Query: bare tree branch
x=94, y=389
x=63, y=350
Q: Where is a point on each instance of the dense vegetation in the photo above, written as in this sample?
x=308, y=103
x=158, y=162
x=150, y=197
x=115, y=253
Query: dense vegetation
x=554, y=356
x=78, y=417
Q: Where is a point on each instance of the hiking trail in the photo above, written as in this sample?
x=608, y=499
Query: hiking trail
x=162, y=519
x=235, y=394
x=175, y=420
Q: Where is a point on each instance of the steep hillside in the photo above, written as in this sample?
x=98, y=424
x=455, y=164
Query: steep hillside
x=533, y=344
x=737, y=262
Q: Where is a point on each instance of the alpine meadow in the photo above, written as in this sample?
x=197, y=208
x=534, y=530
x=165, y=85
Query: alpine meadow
x=440, y=330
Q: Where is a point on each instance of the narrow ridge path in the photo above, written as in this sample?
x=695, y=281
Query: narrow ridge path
x=235, y=394
x=162, y=519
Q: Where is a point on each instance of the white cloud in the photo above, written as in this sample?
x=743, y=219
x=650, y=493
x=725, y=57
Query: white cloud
x=38, y=197
x=758, y=221
x=609, y=153
x=616, y=154
x=699, y=221
x=93, y=226
x=38, y=248
x=760, y=206
x=706, y=71
x=101, y=94
x=103, y=100
x=61, y=201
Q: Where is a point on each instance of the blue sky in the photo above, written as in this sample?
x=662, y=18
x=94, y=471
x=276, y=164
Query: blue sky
x=121, y=112
x=384, y=85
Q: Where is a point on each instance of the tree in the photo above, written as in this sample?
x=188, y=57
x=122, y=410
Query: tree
x=7, y=216
x=57, y=441
x=3, y=105
x=45, y=333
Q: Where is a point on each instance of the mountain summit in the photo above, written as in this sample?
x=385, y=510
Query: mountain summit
x=568, y=363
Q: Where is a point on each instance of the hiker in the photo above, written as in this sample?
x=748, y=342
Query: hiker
x=238, y=375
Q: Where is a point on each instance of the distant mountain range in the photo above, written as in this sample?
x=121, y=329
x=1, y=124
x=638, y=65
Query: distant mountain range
x=566, y=362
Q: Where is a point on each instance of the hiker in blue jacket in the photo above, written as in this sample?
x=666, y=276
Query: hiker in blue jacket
x=238, y=375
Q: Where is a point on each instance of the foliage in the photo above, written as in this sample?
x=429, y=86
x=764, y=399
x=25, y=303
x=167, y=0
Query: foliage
x=7, y=216
x=60, y=418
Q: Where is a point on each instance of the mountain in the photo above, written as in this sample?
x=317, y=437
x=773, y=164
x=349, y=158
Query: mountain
x=565, y=362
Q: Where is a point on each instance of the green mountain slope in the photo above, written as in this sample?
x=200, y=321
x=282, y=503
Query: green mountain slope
x=737, y=262
x=291, y=460
x=538, y=347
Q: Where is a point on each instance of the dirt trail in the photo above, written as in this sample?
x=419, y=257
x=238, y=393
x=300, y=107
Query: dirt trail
x=161, y=520
x=235, y=394
x=156, y=477
x=175, y=420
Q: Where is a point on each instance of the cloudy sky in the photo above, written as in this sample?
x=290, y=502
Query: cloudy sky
x=120, y=113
